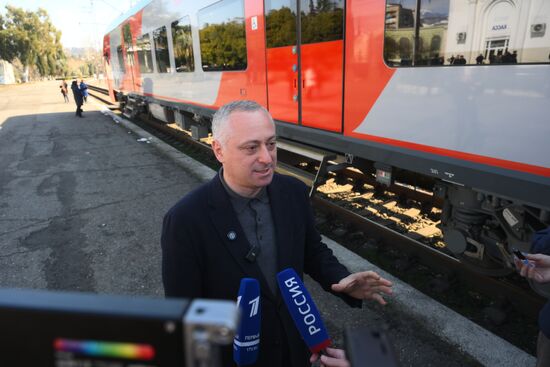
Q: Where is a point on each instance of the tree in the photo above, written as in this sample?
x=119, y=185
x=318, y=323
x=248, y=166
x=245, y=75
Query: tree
x=281, y=27
x=31, y=38
x=223, y=46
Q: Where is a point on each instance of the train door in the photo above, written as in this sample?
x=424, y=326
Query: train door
x=305, y=61
x=130, y=75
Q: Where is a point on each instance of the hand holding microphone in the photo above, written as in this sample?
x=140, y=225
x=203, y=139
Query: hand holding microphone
x=333, y=357
x=364, y=285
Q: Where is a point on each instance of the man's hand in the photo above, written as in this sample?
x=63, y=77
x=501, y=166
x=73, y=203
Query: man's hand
x=536, y=267
x=333, y=358
x=364, y=285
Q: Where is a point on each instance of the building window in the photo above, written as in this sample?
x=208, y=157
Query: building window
x=222, y=36
x=399, y=33
x=145, y=58
x=161, y=50
x=415, y=38
x=183, y=45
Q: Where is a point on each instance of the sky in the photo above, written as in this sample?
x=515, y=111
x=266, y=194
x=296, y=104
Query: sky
x=82, y=22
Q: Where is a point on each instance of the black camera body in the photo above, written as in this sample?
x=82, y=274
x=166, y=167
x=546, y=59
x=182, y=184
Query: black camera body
x=59, y=329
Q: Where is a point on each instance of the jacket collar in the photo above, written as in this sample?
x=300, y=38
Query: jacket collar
x=226, y=223
x=240, y=202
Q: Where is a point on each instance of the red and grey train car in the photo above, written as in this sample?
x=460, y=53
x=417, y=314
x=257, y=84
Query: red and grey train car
x=453, y=93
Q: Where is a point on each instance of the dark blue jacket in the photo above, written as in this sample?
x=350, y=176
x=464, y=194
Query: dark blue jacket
x=200, y=260
x=84, y=89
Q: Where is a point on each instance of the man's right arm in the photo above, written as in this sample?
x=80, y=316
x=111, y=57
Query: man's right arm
x=181, y=275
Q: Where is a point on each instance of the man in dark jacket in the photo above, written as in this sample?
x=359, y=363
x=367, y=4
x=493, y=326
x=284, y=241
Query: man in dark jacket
x=250, y=222
x=77, y=98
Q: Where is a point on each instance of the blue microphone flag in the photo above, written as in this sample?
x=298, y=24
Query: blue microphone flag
x=303, y=310
x=246, y=345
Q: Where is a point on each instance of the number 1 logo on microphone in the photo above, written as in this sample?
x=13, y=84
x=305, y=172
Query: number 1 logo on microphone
x=255, y=303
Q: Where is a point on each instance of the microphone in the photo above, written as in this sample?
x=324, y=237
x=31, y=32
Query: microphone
x=246, y=345
x=303, y=311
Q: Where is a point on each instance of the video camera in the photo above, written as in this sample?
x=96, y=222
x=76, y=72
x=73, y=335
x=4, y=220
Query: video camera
x=63, y=329
x=59, y=329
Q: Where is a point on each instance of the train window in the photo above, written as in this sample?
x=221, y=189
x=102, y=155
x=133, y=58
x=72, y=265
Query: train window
x=280, y=23
x=222, y=36
x=143, y=49
x=183, y=45
x=445, y=32
x=161, y=50
x=120, y=58
x=322, y=20
x=128, y=47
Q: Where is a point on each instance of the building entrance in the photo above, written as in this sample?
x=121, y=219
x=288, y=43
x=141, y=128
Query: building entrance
x=495, y=48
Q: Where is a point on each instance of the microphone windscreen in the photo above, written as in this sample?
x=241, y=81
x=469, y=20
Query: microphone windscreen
x=246, y=345
x=303, y=310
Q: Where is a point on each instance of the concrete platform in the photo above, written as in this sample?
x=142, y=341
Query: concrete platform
x=81, y=206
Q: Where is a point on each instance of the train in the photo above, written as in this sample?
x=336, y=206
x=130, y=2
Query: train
x=448, y=95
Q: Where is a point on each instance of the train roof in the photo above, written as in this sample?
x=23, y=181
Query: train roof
x=122, y=17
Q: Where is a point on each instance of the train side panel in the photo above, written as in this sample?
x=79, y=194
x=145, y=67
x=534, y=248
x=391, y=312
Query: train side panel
x=202, y=88
x=483, y=118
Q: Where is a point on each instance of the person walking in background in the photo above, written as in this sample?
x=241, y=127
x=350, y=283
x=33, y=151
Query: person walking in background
x=84, y=90
x=479, y=59
x=64, y=91
x=78, y=99
x=536, y=266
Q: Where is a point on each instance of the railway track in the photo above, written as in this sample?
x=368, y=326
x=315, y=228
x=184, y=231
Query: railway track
x=101, y=94
x=383, y=232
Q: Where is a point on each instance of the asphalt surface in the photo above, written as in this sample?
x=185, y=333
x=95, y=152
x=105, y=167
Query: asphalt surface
x=81, y=207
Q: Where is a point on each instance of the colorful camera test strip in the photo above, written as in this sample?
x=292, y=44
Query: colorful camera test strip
x=102, y=349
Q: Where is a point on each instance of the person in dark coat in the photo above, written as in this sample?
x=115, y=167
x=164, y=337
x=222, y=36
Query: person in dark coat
x=536, y=267
x=78, y=99
x=479, y=59
x=250, y=222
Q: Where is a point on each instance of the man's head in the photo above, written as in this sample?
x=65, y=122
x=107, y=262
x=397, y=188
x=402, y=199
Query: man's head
x=244, y=142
